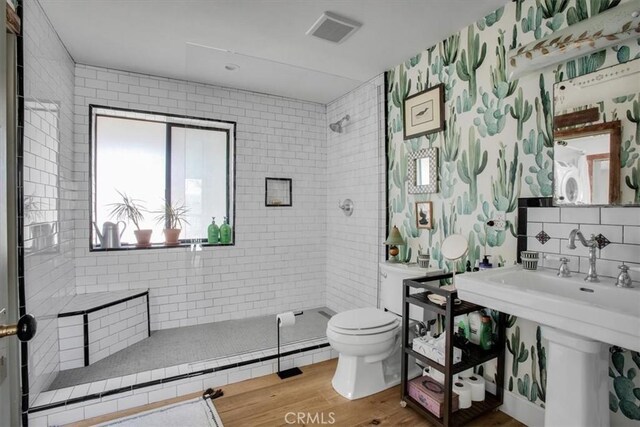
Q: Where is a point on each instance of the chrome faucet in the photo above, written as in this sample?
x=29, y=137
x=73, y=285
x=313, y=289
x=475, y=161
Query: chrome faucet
x=592, y=244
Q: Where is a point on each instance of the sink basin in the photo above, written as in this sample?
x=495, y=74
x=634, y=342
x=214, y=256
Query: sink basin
x=577, y=317
x=598, y=311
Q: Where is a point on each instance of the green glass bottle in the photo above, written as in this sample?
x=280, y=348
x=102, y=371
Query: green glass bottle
x=213, y=232
x=225, y=232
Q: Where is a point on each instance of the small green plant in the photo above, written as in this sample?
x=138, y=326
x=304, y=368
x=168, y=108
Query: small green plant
x=172, y=215
x=129, y=210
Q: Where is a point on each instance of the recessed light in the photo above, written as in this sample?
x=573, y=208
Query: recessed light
x=231, y=67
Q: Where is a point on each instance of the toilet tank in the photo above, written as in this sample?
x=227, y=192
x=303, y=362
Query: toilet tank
x=391, y=277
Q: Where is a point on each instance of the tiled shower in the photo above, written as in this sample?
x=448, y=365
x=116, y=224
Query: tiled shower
x=281, y=258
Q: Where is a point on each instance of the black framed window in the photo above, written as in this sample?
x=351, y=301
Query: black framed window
x=153, y=158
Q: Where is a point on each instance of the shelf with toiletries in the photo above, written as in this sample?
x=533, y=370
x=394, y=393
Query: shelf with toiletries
x=452, y=355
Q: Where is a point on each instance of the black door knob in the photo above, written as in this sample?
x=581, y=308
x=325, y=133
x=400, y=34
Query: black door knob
x=27, y=326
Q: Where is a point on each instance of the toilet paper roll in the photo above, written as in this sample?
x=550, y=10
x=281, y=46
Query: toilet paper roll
x=477, y=386
x=286, y=319
x=464, y=394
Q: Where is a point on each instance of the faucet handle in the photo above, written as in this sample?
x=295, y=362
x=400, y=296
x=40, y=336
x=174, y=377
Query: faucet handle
x=563, y=270
x=624, y=280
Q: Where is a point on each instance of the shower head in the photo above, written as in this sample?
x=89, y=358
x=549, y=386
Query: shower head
x=337, y=126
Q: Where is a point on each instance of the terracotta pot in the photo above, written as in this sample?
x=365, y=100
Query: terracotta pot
x=171, y=236
x=143, y=237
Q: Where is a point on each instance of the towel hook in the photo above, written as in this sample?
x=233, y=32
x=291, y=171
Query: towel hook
x=346, y=206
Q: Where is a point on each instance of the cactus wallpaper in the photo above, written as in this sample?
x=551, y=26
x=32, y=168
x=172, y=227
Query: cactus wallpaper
x=497, y=146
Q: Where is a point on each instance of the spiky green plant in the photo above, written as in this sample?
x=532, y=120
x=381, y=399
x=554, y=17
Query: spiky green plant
x=400, y=91
x=633, y=115
x=502, y=87
x=518, y=350
x=470, y=60
x=544, y=113
x=580, y=12
x=542, y=170
x=172, y=215
x=518, y=9
x=538, y=388
x=451, y=143
x=463, y=103
x=521, y=111
x=493, y=116
x=470, y=165
x=628, y=154
x=449, y=49
x=633, y=181
x=505, y=190
x=490, y=19
x=586, y=64
x=533, y=22
x=551, y=8
x=129, y=210
x=626, y=394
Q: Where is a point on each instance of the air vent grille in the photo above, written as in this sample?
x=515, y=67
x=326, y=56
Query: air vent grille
x=333, y=28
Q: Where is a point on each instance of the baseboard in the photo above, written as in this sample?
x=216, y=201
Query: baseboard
x=522, y=410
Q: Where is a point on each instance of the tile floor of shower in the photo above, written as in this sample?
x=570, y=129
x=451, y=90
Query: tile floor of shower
x=179, y=353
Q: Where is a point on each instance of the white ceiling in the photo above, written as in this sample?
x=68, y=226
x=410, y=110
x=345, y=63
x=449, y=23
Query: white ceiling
x=194, y=39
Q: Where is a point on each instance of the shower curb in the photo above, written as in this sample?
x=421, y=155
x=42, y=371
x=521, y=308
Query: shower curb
x=94, y=396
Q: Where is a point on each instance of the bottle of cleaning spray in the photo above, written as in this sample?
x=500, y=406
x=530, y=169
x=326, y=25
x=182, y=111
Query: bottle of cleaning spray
x=213, y=232
x=225, y=232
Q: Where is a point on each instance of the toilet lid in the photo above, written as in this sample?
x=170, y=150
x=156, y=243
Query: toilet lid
x=363, y=321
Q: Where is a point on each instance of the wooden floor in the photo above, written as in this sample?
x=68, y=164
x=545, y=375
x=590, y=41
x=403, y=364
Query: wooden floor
x=269, y=401
x=266, y=401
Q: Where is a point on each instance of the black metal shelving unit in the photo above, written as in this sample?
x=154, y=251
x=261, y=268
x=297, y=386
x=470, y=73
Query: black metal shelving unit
x=472, y=354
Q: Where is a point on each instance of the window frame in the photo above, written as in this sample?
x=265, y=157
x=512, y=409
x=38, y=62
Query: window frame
x=169, y=124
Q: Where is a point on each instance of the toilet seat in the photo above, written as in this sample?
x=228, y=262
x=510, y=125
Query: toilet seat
x=363, y=321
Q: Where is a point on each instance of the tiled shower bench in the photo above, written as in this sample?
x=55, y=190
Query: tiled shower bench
x=95, y=325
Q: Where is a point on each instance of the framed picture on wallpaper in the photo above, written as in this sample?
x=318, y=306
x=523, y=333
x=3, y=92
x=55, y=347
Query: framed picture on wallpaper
x=424, y=112
x=424, y=215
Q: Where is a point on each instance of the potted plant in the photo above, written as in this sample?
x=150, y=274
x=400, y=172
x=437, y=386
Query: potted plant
x=130, y=210
x=172, y=216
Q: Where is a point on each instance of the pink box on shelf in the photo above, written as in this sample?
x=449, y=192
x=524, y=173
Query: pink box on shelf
x=430, y=394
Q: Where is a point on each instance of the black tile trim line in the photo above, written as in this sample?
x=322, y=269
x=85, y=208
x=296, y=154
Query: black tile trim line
x=523, y=204
x=103, y=306
x=22, y=300
x=35, y=409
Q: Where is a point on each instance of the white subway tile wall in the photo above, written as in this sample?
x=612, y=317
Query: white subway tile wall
x=278, y=262
x=110, y=329
x=49, y=189
x=356, y=171
x=619, y=225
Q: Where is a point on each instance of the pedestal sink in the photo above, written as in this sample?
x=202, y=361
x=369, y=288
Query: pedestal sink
x=580, y=320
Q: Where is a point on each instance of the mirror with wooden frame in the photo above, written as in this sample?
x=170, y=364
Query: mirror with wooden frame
x=586, y=165
x=597, y=136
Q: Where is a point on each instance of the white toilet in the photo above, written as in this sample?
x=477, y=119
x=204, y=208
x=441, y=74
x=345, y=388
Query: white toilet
x=369, y=340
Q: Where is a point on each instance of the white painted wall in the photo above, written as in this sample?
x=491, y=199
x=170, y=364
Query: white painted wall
x=48, y=181
x=356, y=170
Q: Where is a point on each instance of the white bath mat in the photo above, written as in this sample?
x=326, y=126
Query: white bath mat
x=197, y=412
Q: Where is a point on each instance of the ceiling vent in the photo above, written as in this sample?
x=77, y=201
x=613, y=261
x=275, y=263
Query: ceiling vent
x=333, y=28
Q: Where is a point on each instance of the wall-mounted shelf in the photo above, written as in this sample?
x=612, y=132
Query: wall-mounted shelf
x=472, y=355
